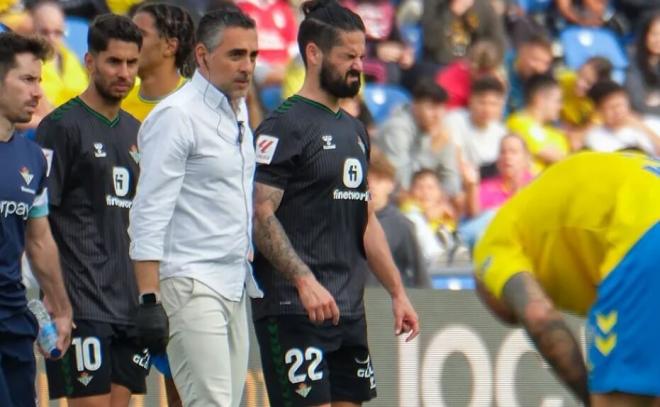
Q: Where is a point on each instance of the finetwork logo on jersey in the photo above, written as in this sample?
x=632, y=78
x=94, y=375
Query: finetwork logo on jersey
x=266, y=146
x=121, y=181
x=352, y=178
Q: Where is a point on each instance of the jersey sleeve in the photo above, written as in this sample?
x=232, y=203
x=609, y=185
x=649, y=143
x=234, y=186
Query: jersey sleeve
x=40, y=205
x=278, y=150
x=59, y=144
x=499, y=255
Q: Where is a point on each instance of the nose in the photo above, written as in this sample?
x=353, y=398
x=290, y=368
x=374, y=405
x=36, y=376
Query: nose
x=123, y=71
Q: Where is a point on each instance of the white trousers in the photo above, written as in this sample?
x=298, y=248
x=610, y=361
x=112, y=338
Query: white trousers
x=209, y=343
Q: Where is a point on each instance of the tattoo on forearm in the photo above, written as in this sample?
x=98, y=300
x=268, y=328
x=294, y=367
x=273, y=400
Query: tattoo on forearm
x=549, y=332
x=271, y=239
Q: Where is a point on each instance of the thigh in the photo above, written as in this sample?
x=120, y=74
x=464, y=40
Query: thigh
x=293, y=359
x=17, y=371
x=198, y=351
x=351, y=368
x=85, y=369
x=622, y=328
x=130, y=361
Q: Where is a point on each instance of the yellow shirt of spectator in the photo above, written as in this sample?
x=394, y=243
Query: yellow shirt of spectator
x=537, y=137
x=61, y=85
x=575, y=110
x=122, y=6
x=140, y=107
x=572, y=226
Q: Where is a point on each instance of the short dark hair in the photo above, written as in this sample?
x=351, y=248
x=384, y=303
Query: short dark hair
x=428, y=89
x=487, y=84
x=425, y=172
x=604, y=89
x=174, y=22
x=324, y=20
x=209, y=30
x=537, y=83
x=602, y=66
x=106, y=27
x=537, y=40
x=12, y=44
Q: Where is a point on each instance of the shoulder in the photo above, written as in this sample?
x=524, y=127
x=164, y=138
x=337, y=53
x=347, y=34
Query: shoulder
x=128, y=119
x=67, y=113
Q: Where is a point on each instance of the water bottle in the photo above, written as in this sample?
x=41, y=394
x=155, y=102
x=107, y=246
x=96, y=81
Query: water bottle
x=47, y=337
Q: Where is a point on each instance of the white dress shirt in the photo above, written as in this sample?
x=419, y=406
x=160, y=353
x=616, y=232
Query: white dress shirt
x=193, y=207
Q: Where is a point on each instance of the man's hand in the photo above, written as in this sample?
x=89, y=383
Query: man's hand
x=153, y=327
x=405, y=317
x=64, y=324
x=317, y=301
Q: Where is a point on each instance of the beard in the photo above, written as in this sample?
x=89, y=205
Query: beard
x=334, y=84
x=103, y=89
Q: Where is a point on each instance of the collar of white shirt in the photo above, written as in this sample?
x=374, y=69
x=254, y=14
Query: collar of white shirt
x=211, y=95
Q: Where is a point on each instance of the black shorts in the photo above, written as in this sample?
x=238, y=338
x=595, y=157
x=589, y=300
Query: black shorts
x=306, y=364
x=101, y=354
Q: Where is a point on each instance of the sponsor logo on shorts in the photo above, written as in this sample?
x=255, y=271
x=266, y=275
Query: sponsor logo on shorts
x=605, y=338
x=142, y=360
x=367, y=371
x=266, y=146
x=85, y=378
x=303, y=390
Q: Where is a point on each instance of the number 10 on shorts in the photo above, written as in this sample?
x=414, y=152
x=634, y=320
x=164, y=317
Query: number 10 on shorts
x=88, y=353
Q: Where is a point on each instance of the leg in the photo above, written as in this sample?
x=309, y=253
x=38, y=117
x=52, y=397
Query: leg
x=198, y=350
x=18, y=373
x=345, y=404
x=173, y=399
x=130, y=363
x=120, y=396
x=620, y=400
x=239, y=346
x=90, y=401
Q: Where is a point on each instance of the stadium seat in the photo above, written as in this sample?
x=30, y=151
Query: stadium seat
x=582, y=43
x=271, y=97
x=76, y=36
x=534, y=6
x=382, y=99
x=412, y=34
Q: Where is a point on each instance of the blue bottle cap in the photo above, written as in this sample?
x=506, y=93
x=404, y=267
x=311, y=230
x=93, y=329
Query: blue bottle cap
x=55, y=353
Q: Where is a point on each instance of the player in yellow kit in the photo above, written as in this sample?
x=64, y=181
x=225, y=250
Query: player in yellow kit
x=584, y=238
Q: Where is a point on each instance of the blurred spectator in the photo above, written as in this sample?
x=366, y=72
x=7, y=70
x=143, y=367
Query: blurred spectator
x=13, y=17
x=122, y=7
x=620, y=128
x=168, y=37
x=592, y=13
x=450, y=26
x=414, y=138
x=87, y=9
x=277, y=28
x=399, y=231
x=294, y=76
x=513, y=166
x=484, y=58
x=434, y=219
x=62, y=77
x=643, y=77
x=387, y=54
x=479, y=129
x=546, y=143
x=636, y=10
x=577, y=108
x=533, y=57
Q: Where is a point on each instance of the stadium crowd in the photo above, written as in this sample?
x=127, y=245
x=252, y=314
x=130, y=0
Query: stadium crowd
x=445, y=82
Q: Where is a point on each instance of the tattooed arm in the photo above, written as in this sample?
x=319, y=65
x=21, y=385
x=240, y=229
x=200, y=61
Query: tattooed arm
x=547, y=328
x=274, y=244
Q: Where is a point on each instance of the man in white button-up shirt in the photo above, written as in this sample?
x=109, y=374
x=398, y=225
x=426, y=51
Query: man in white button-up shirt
x=191, y=218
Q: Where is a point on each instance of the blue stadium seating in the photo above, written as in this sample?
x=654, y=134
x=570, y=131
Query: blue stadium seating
x=534, y=6
x=76, y=36
x=382, y=99
x=412, y=34
x=582, y=43
x=271, y=97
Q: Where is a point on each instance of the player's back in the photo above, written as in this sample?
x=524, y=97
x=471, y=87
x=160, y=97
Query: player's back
x=572, y=225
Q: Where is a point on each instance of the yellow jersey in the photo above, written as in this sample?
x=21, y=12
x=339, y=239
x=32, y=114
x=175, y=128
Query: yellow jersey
x=537, y=137
x=575, y=110
x=140, y=107
x=572, y=226
x=58, y=86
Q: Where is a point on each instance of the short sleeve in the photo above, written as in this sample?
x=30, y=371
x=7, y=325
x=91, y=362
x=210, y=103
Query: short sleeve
x=40, y=205
x=277, y=149
x=498, y=255
x=58, y=145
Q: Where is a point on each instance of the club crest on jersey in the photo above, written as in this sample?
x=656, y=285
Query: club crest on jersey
x=135, y=154
x=266, y=146
x=25, y=174
x=327, y=142
x=98, y=150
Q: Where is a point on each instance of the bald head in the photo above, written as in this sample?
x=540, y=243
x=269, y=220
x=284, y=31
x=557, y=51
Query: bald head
x=48, y=19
